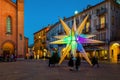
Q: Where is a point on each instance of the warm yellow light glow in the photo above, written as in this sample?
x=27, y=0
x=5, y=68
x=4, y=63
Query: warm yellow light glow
x=102, y=21
x=81, y=26
x=39, y=36
x=65, y=26
x=115, y=44
x=8, y=46
x=87, y=26
x=114, y=51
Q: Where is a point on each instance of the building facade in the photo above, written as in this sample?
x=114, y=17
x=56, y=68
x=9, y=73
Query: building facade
x=26, y=46
x=12, y=28
x=104, y=22
x=40, y=49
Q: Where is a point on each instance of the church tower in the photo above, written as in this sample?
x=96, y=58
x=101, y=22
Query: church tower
x=20, y=29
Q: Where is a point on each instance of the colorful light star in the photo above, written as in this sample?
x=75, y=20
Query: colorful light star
x=74, y=39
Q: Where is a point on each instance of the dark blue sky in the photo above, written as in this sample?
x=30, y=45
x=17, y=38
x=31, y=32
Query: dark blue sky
x=39, y=13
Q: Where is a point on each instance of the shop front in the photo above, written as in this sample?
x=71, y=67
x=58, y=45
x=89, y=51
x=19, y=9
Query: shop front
x=115, y=52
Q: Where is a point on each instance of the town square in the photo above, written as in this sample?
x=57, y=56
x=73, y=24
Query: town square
x=59, y=40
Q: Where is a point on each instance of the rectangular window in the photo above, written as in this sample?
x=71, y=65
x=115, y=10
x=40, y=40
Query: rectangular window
x=112, y=21
x=77, y=21
x=87, y=26
x=102, y=21
x=8, y=25
x=20, y=36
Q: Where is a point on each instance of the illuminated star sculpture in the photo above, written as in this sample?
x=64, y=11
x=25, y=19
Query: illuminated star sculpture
x=74, y=39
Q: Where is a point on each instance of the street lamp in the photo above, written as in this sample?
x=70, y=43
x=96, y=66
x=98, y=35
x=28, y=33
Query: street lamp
x=76, y=12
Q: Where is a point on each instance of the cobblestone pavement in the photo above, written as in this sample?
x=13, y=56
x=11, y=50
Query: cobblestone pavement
x=39, y=70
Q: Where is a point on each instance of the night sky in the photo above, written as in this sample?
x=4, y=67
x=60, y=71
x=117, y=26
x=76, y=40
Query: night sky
x=39, y=13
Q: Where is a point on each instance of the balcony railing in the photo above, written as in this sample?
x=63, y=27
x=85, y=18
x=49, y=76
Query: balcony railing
x=101, y=11
x=101, y=26
x=85, y=31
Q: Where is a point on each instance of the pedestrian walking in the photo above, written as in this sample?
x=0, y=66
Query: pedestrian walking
x=71, y=63
x=95, y=61
x=78, y=61
x=11, y=57
x=54, y=59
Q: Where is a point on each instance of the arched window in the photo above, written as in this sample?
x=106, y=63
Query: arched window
x=8, y=25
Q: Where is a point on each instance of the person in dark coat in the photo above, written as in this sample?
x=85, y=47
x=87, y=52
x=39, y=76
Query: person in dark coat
x=78, y=61
x=54, y=59
x=95, y=61
x=71, y=63
x=51, y=61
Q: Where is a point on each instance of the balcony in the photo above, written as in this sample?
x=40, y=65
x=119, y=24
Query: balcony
x=86, y=32
x=101, y=27
x=98, y=44
x=101, y=11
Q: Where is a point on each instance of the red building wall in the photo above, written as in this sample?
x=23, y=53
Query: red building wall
x=20, y=28
x=8, y=8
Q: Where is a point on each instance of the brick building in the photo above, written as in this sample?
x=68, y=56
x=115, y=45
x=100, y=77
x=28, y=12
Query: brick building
x=40, y=43
x=12, y=28
x=26, y=46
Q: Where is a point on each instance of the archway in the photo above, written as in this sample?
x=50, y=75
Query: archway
x=114, y=51
x=8, y=50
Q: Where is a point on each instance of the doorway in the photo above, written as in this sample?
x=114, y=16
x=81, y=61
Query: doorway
x=114, y=52
x=8, y=51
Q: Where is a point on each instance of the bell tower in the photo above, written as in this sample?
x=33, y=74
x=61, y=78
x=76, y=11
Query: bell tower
x=20, y=29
